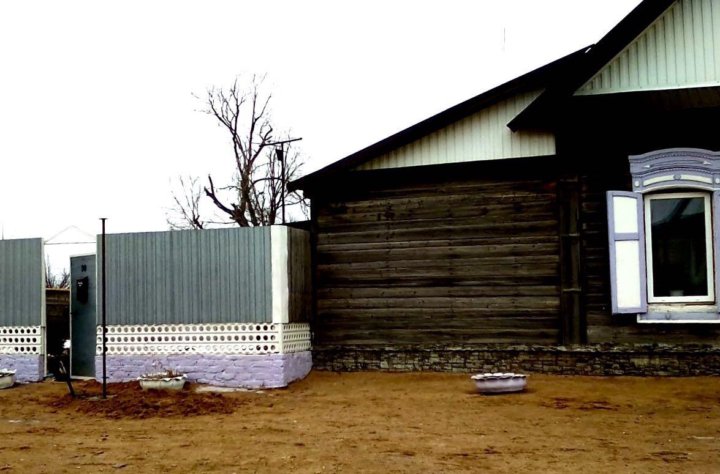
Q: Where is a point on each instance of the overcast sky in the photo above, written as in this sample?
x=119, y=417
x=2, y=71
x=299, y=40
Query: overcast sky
x=97, y=113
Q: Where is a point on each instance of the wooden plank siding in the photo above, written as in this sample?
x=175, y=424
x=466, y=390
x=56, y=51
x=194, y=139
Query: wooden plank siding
x=299, y=276
x=437, y=260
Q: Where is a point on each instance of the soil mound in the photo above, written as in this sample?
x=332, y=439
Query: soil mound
x=128, y=400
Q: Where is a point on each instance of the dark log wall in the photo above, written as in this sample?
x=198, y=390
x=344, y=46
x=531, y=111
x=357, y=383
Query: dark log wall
x=438, y=257
x=596, y=269
x=299, y=275
x=468, y=254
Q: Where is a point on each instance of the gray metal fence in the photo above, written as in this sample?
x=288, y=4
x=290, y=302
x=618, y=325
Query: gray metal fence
x=22, y=282
x=190, y=276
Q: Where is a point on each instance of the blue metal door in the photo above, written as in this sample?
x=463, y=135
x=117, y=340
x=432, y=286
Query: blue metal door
x=83, y=319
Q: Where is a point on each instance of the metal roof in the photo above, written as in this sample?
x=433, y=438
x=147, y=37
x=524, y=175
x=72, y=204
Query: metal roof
x=538, y=78
x=560, y=79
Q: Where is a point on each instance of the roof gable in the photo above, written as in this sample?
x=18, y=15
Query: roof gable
x=678, y=50
x=481, y=136
x=542, y=113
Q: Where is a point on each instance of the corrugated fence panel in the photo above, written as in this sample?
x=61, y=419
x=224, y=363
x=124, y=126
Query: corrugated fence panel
x=479, y=137
x=185, y=277
x=680, y=49
x=22, y=282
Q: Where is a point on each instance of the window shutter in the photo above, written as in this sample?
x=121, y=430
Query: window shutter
x=716, y=243
x=626, y=235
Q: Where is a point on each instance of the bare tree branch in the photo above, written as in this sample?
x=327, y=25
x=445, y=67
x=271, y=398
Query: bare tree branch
x=185, y=212
x=255, y=195
x=53, y=280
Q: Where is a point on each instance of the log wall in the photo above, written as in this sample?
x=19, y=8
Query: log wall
x=438, y=258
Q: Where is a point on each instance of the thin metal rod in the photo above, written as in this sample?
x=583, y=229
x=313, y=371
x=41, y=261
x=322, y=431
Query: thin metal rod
x=291, y=140
x=283, y=184
x=104, y=321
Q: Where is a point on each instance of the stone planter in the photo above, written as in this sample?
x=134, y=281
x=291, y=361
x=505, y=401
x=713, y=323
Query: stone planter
x=162, y=381
x=500, y=382
x=7, y=378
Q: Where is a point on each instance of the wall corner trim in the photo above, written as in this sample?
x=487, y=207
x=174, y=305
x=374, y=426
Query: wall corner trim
x=279, y=273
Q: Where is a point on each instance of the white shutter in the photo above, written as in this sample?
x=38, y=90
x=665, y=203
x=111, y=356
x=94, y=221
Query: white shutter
x=626, y=238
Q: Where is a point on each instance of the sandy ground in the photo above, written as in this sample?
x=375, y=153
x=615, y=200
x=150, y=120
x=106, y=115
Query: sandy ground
x=372, y=422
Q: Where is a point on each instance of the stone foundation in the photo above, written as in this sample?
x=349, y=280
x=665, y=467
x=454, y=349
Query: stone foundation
x=29, y=368
x=242, y=371
x=644, y=360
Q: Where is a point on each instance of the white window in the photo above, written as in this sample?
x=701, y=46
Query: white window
x=678, y=248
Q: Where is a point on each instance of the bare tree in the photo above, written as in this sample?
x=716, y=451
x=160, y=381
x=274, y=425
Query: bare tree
x=256, y=192
x=54, y=280
x=186, y=209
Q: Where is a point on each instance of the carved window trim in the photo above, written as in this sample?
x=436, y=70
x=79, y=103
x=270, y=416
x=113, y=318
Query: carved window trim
x=675, y=170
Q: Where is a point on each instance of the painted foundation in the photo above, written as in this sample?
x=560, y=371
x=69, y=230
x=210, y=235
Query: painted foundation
x=29, y=368
x=240, y=371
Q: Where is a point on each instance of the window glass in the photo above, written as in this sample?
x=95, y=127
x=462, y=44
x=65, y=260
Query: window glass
x=679, y=253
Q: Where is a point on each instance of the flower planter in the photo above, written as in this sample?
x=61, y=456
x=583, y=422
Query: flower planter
x=162, y=381
x=7, y=378
x=500, y=382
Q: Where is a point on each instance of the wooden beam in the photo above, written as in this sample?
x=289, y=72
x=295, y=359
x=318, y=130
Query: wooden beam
x=572, y=318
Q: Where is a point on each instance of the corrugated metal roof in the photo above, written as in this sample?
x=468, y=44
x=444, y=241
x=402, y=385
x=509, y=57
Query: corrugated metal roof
x=678, y=50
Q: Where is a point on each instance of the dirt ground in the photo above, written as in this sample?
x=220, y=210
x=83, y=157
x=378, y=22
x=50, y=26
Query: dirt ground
x=370, y=422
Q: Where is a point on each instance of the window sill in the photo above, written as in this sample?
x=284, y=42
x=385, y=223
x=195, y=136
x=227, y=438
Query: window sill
x=680, y=314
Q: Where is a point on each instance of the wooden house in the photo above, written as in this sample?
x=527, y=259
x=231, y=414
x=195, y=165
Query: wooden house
x=566, y=221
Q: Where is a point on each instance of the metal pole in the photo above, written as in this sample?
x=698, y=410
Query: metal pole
x=281, y=156
x=104, y=321
x=283, y=184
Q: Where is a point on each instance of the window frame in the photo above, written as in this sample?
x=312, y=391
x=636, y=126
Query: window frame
x=709, y=247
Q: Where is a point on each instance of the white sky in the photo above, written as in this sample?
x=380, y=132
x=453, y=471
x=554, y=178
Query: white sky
x=97, y=116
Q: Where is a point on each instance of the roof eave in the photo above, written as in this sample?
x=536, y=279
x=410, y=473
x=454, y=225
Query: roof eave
x=537, y=78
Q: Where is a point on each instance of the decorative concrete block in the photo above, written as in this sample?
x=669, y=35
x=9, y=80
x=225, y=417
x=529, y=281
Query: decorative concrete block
x=223, y=338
